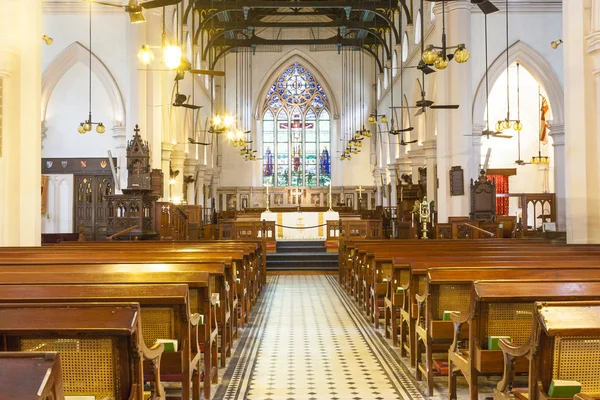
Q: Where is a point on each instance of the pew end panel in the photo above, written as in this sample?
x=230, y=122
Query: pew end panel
x=30, y=375
x=101, y=345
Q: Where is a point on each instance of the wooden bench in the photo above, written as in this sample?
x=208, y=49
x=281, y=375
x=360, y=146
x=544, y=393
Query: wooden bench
x=564, y=344
x=450, y=289
x=30, y=376
x=193, y=259
x=198, y=283
x=165, y=314
x=100, y=345
x=504, y=308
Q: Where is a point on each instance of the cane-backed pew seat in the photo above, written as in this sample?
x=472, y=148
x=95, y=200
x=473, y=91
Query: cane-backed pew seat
x=200, y=299
x=165, y=314
x=30, y=376
x=451, y=289
x=564, y=345
x=504, y=308
x=100, y=345
x=209, y=262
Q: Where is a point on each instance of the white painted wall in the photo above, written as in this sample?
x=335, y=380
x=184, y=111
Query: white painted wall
x=59, y=216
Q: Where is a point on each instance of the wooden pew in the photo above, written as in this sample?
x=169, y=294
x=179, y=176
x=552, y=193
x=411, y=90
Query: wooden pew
x=198, y=283
x=100, y=345
x=563, y=345
x=30, y=375
x=504, y=308
x=138, y=256
x=450, y=290
x=165, y=314
x=242, y=254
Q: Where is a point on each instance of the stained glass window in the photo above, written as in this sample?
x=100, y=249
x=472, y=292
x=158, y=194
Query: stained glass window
x=296, y=131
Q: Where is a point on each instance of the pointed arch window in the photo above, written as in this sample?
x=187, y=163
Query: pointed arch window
x=296, y=131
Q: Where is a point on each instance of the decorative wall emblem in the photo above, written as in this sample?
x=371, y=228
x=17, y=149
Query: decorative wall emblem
x=103, y=164
x=49, y=164
x=83, y=163
x=64, y=164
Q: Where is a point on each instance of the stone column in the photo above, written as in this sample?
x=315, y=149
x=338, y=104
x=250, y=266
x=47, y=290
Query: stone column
x=215, y=184
x=120, y=142
x=20, y=139
x=199, y=188
x=430, y=150
x=581, y=59
x=557, y=131
x=177, y=161
x=189, y=170
x=394, y=190
x=417, y=160
x=167, y=148
x=377, y=179
x=453, y=148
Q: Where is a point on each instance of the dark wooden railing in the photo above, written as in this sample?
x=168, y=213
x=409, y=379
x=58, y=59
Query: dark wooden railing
x=171, y=222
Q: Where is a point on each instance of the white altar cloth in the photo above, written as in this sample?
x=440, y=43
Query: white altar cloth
x=300, y=225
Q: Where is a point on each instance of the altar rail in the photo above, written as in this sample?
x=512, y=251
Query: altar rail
x=469, y=230
x=171, y=222
x=235, y=230
x=361, y=228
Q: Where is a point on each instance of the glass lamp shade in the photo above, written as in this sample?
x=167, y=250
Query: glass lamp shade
x=506, y=124
x=347, y=151
x=518, y=126
x=342, y=158
x=87, y=126
x=359, y=144
x=100, y=128
x=145, y=55
x=217, y=120
x=429, y=55
x=461, y=55
x=81, y=129
x=440, y=62
x=355, y=151
x=384, y=119
x=499, y=127
x=230, y=135
x=235, y=143
x=228, y=120
x=172, y=56
x=372, y=119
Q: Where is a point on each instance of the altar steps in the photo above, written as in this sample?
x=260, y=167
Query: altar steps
x=302, y=256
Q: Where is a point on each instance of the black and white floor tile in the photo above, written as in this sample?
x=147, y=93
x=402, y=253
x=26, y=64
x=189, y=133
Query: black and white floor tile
x=308, y=341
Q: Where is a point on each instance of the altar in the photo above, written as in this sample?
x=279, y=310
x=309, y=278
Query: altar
x=298, y=225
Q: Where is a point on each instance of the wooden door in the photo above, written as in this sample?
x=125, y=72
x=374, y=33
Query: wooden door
x=89, y=207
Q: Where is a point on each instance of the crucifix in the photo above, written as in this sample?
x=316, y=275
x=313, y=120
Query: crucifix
x=360, y=191
x=297, y=193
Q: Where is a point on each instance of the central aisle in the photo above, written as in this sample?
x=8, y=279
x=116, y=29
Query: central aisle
x=308, y=341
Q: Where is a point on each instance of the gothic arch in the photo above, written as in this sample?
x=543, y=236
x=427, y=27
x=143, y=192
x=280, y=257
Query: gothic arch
x=273, y=73
x=539, y=68
x=73, y=54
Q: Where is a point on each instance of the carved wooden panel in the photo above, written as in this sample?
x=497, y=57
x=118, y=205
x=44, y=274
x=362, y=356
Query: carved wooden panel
x=89, y=207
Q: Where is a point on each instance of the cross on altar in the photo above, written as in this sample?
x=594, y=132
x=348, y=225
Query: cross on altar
x=360, y=191
x=297, y=193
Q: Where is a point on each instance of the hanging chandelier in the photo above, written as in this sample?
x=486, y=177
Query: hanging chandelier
x=438, y=55
x=87, y=125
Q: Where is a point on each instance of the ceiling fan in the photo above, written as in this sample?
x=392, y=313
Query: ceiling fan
x=487, y=132
x=180, y=99
x=423, y=104
x=134, y=7
x=192, y=141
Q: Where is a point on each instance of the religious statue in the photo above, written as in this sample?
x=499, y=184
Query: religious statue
x=424, y=212
x=269, y=162
x=325, y=162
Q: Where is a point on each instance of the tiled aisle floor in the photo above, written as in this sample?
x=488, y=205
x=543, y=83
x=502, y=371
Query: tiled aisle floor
x=308, y=341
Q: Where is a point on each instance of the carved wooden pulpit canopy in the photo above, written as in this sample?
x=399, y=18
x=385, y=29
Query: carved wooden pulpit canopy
x=138, y=162
x=483, y=199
